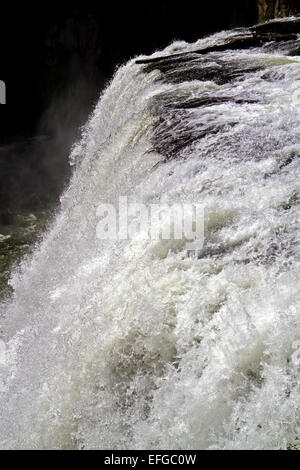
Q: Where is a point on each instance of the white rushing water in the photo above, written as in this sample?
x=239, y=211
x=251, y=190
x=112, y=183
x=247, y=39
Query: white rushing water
x=132, y=344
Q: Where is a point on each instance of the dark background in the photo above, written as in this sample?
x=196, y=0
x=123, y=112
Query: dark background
x=56, y=57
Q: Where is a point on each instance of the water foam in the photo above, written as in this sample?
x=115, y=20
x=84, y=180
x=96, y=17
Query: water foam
x=133, y=344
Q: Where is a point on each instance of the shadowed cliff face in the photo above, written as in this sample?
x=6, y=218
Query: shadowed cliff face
x=269, y=9
x=57, y=56
x=67, y=50
x=59, y=53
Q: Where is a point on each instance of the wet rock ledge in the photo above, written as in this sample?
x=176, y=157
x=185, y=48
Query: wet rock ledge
x=258, y=36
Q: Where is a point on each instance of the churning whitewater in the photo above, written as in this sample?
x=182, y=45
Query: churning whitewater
x=137, y=344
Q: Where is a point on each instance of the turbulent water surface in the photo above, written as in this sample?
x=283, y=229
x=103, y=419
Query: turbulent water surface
x=133, y=344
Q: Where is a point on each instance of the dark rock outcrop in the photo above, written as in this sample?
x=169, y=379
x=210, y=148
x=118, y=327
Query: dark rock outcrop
x=257, y=39
x=278, y=28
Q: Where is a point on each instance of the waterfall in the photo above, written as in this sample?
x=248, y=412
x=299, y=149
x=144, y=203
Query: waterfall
x=134, y=343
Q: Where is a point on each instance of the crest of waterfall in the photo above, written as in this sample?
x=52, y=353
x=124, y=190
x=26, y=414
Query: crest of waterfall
x=130, y=344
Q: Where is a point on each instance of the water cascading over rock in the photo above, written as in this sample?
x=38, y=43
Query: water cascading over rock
x=126, y=344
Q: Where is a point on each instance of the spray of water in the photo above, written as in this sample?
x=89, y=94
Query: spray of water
x=132, y=343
